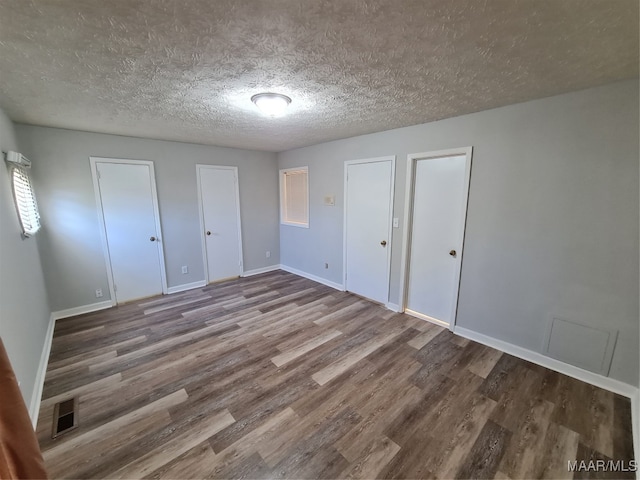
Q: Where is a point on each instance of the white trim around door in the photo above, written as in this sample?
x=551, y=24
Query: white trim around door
x=103, y=231
x=412, y=160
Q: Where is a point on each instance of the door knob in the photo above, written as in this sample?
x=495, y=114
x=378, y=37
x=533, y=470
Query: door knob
x=208, y=232
x=153, y=239
x=452, y=253
x=383, y=243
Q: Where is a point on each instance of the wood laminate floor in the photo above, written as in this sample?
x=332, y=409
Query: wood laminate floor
x=275, y=376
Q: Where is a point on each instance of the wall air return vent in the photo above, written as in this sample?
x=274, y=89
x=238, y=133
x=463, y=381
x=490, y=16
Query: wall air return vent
x=586, y=346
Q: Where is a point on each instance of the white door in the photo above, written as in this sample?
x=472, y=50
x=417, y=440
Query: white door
x=128, y=204
x=220, y=217
x=440, y=187
x=368, y=209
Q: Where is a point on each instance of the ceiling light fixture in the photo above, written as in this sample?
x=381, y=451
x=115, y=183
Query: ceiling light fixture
x=271, y=104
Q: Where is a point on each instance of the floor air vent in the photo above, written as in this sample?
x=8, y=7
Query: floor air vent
x=65, y=417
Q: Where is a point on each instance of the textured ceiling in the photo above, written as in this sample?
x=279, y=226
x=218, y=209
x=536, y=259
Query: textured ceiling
x=185, y=69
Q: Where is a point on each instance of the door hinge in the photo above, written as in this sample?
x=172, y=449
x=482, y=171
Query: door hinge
x=98, y=174
x=115, y=287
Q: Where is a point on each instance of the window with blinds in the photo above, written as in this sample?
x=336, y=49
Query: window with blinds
x=25, y=201
x=294, y=197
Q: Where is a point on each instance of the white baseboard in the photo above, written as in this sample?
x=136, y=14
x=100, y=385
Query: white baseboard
x=598, y=380
x=72, y=312
x=258, y=271
x=635, y=420
x=186, y=286
x=315, y=278
x=394, y=307
x=36, y=396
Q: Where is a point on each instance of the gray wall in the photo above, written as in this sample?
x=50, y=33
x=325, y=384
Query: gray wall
x=552, y=225
x=24, y=308
x=70, y=244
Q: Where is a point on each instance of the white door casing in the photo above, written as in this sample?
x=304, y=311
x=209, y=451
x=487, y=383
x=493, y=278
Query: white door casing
x=435, y=215
x=130, y=227
x=219, y=203
x=369, y=189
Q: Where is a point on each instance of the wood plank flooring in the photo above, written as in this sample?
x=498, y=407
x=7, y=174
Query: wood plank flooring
x=275, y=376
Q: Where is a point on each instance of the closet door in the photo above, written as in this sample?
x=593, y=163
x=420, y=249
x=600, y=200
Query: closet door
x=128, y=207
x=368, y=209
x=220, y=220
x=439, y=205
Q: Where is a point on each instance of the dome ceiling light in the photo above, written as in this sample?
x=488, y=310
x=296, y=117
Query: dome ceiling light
x=271, y=104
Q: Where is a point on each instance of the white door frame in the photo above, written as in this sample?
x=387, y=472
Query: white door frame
x=412, y=159
x=391, y=158
x=203, y=242
x=103, y=229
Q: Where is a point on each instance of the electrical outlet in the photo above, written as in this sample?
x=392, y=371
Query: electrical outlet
x=98, y=293
x=326, y=265
x=185, y=269
x=268, y=254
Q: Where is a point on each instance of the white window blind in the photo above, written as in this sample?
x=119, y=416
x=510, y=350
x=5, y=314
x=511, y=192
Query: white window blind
x=25, y=201
x=294, y=197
